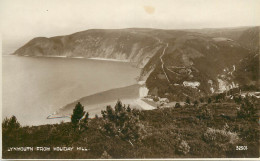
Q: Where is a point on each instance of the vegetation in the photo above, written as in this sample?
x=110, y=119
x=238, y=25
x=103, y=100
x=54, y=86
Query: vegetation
x=209, y=100
x=177, y=105
x=188, y=100
x=77, y=115
x=210, y=130
x=122, y=122
x=10, y=124
x=247, y=109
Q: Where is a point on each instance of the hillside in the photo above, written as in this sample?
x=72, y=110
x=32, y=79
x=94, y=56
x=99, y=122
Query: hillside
x=248, y=37
x=133, y=45
x=248, y=70
x=225, y=128
x=195, y=64
x=175, y=63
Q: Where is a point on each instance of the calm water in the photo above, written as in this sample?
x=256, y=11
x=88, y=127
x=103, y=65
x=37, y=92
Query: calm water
x=35, y=87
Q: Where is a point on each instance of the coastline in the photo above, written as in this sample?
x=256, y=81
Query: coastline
x=130, y=95
x=76, y=57
x=108, y=59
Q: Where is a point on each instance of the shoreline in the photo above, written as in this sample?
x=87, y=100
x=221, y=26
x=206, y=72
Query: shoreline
x=76, y=57
x=108, y=59
x=142, y=90
x=136, y=102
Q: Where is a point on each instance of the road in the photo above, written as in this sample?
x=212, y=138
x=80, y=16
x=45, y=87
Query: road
x=172, y=71
x=163, y=62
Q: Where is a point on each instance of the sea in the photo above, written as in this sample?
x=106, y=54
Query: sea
x=35, y=87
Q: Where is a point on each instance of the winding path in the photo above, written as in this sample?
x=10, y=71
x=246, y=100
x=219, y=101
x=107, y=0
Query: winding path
x=172, y=71
x=163, y=62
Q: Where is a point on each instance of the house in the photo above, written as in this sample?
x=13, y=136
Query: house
x=191, y=84
x=164, y=100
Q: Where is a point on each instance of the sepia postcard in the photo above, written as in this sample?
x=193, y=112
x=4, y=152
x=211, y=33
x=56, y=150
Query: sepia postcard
x=130, y=79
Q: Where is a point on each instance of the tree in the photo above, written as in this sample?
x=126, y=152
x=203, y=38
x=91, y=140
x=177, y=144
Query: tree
x=219, y=97
x=128, y=108
x=11, y=123
x=177, y=105
x=248, y=109
x=205, y=113
x=122, y=122
x=195, y=103
x=78, y=113
x=11, y=131
x=155, y=99
x=201, y=100
x=83, y=123
x=188, y=100
x=86, y=117
x=209, y=100
x=238, y=99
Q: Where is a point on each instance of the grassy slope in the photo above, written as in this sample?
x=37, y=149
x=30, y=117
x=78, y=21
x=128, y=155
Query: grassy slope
x=164, y=128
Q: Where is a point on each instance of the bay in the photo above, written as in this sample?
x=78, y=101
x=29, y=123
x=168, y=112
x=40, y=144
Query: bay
x=34, y=87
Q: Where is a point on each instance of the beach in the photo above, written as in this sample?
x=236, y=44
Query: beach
x=80, y=57
x=131, y=95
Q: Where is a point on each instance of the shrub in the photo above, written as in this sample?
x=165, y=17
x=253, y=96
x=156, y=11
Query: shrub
x=83, y=122
x=187, y=100
x=238, y=99
x=201, y=100
x=177, y=105
x=183, y=147
x=247, y=110
x=195, y=103
x=105, y=155
x=220, y=137
x=122, y=122
x=209, y=100
x=155, y=99
x=205, y=113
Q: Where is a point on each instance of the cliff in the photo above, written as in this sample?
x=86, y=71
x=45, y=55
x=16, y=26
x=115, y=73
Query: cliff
x=205, y=58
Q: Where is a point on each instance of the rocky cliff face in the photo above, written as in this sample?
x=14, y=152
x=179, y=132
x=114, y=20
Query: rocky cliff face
x=131, y=45
x=176, y=63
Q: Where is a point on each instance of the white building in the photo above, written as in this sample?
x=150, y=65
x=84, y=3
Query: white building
x=191, y=84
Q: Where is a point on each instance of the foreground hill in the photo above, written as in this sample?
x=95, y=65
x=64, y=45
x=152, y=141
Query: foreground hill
x=175, y=63
x=227, y=127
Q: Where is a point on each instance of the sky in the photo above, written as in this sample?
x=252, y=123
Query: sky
x=22, y=20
